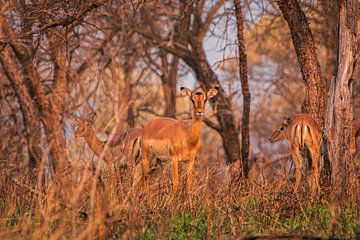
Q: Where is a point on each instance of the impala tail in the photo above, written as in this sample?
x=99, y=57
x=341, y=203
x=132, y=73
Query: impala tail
x=299, y=135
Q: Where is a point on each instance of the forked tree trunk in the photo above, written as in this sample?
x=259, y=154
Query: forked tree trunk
x=207, y=79
x=28, y=108
x=305, y=48
x=189, y=36
x=245, y=135
x=35, y=104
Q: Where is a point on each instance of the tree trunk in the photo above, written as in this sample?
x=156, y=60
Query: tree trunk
x=187, y=44
x=207, y=79
x=314, y=103
x=33, y=100
x=28, y=108
x=53, y=115
x=169, y=79
x=341, y=114
x=245, y=136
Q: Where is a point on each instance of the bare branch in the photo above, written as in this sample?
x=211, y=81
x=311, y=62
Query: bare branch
x=209, y=18
x=68, y=20
x=211, y=124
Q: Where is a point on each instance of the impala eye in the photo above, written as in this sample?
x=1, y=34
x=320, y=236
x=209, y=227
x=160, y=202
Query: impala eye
x=281, y=128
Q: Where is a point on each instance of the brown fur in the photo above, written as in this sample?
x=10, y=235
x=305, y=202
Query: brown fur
x=304, y=137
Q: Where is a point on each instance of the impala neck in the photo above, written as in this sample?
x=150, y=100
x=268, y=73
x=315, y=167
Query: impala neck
x=94, y=143
x=194, y=135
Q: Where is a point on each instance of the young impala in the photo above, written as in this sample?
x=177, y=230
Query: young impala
x=179, y=140
x=305, y=138
x=124, y=147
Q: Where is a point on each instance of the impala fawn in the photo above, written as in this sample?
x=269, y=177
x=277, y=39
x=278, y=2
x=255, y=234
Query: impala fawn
x=123, y=148
x=179, y=140
x=305, y=138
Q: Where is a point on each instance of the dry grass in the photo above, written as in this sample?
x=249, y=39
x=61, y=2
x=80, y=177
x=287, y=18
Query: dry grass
x=223, y=206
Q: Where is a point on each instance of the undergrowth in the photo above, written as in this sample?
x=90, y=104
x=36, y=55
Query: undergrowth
x=216, y=210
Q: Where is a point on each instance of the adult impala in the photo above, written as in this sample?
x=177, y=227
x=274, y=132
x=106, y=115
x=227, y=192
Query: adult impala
x=305, y=138
x=179, y=140
x=124, y=147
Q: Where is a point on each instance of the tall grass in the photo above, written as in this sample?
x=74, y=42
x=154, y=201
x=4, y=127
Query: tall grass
x=223, y=206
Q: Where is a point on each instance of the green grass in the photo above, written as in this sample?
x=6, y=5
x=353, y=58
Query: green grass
x=313, y=221
x=245, y=216
x=188, y=226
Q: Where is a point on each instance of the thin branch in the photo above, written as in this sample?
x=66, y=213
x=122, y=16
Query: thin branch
x=209, y=18
x=52, y=24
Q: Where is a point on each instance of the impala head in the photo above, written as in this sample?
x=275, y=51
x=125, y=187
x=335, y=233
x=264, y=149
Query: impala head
x=199, y=97
x=279, y=134
x=84, y=126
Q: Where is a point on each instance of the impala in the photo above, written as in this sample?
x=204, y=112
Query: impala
x=125, y=147
x=174, y=139
x=305, y=138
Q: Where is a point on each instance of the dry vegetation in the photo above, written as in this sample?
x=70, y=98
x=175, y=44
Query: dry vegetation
x=125, y=60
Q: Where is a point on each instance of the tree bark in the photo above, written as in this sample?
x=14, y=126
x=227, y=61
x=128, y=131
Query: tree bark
x=35, y=104
x=341, y=113
x=28, y=108
x=53, y=115
x=314, y=103
x=245, y=135
x=169, y=79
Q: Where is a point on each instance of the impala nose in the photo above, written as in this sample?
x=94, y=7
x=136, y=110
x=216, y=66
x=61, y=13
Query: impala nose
x=199, y=113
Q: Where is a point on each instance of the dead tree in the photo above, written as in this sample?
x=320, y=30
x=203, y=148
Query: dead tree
x=340, y=110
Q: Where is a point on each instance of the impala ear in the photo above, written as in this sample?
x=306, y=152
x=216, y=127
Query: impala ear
x=212, y=92
x=93, y=117
x=185, y=91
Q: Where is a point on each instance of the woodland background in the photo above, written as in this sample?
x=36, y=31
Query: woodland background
x=126, y=60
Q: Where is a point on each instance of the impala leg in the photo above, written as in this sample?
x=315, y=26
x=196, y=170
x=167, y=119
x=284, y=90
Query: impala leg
x=175, y=174
x=315, y=186
x=137, y=176
x=146, y=174
x=298, y=166
x=189, y=171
